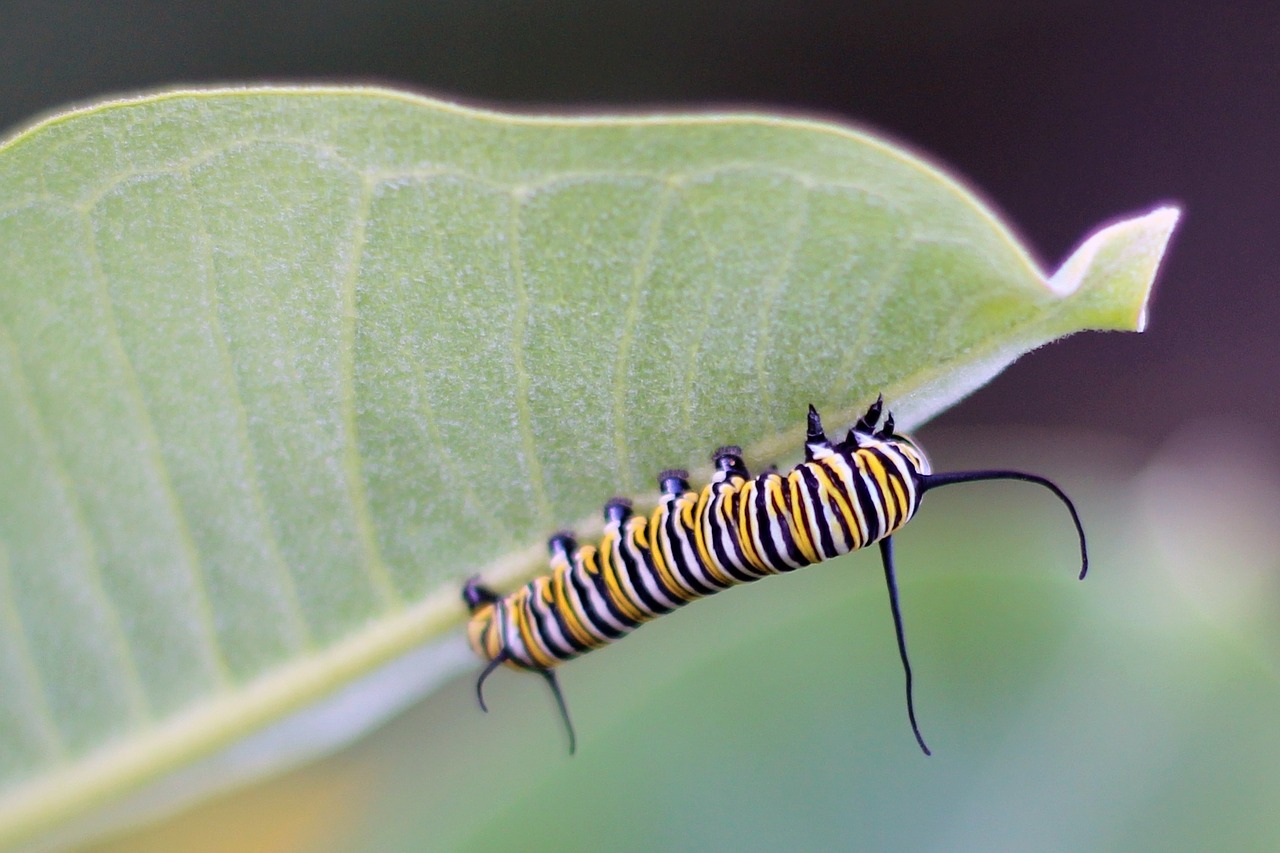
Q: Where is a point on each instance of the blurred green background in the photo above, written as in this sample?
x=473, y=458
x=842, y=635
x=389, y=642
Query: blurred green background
x=1133, y=711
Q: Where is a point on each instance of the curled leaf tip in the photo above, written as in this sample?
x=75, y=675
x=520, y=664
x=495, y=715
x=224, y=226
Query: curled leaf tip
x=1119, y=262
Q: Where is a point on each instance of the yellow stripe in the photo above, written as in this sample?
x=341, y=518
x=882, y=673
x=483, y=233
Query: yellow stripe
x=900, y=499
x=572, y=620
x=802, y=535
x=492, y=639
x=626, y=542
x=890, y=510
x=657, y=529
x=830, y=480
x=774, y=498
x=617, y=595
x=480, y=632
x=827, y=478
x=518, y=615
x=721, y=518
x=903, y=505
x=688, y=506
x=637, y=536
x=699, y=537
x=746, y=528
x=685, y=522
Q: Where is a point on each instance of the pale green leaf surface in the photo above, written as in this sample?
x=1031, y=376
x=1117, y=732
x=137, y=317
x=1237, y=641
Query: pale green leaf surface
x=280, y=368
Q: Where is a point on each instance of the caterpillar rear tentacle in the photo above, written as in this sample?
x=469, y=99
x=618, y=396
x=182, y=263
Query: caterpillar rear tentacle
x=846, y=495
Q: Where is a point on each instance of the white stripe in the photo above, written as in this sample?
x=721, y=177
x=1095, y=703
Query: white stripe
x=779, y=520
x=670, y=547
x=845, y=541
x=817, y=515
x=598, y=605
x=619, y=569
x=513, y=643
x=575, y=602
x=728, y=527
x=650, y=575
x=552, y=637
x=873, y=488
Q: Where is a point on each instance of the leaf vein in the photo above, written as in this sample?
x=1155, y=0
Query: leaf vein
x=46, y=448
x=640, y=273
x=524, y=413
x=704, y=317
x=296, y=619
x=49, y=732
x=357, y=492
x=878, y=294
x=201, y=605
x=774, y=287
x=454, y=473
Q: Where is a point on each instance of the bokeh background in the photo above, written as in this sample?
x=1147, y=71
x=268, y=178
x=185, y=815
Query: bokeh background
x=1135, y=712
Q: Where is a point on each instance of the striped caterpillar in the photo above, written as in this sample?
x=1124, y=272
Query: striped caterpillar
x=845, y=495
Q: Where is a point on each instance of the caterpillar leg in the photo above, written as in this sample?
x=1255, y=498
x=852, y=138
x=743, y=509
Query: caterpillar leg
x=729, y=460
x=674, y=481
x=476, y=594
x=488, y=669
x=551, y=681
x=554, y=684
x=886, y=555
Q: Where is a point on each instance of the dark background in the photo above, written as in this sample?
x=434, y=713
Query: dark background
x=1064, y=114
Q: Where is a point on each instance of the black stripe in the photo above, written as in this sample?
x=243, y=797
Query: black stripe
x=534, y=620
x=603, y=588
x=678, y=566
x=764, y=527
x=584, y=620
x=541, y=611
x=799, y=512
x=841, y=487
x=784, y=527
x=636, y=571
x=511, y=620
x=583, y=585
x=742, y=570
x=723, y=523
x=907, y=482
x=813, y=487
x=891, y=473
x=657, y=537
x=865, y=502
x=746, y=523
x=714, y=524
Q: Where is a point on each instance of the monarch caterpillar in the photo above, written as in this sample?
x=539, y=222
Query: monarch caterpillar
x=844, y=496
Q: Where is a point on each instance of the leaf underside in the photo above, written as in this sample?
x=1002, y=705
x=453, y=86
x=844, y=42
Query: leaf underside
x=279, y=368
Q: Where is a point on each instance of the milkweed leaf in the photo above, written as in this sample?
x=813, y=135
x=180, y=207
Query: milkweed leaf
x=280, y=367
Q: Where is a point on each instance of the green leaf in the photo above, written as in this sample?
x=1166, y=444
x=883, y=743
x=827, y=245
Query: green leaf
x=279, y=368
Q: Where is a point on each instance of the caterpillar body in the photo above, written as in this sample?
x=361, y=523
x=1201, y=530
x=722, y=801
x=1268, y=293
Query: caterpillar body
x=845, y=495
